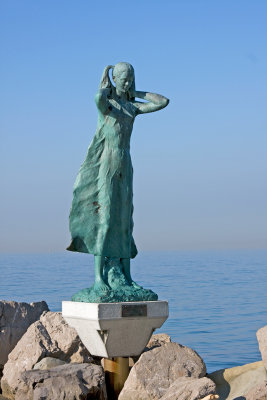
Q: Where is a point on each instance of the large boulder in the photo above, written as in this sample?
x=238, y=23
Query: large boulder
x=190, y=389
x=232, y=383
x=157, y=369
x=157, y=340
x=259, y=392
x=15, y=319
x=69, y=381
x=262, y=339
x=51, y=336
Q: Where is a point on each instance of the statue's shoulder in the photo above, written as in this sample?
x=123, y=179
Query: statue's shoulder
x=102, y=98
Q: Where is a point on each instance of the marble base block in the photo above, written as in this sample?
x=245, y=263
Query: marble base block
x=115, y=329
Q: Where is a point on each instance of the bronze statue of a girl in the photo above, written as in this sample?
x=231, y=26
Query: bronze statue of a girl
x=101, y=220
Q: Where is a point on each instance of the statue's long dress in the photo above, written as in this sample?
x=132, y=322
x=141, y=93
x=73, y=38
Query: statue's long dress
x=101, y=220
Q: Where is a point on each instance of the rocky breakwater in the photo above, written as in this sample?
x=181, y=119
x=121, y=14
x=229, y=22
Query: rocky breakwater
x=50, y=362
x=46, y=344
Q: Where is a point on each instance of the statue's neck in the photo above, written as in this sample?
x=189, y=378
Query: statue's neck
x=121, y=95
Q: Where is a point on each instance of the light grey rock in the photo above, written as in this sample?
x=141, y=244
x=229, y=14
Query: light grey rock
x=262, y=339
x=232, y=383
x=190, y=389
x=157, y=369
x=259, y=392
x=15, y=319
x=48, y=362
x=51, y=336
x=157, y=340
x=69, y=382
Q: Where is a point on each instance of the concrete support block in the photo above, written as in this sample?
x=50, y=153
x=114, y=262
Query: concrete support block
x=115, y=329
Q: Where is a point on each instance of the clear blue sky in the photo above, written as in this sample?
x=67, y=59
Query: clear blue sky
x=200, y=165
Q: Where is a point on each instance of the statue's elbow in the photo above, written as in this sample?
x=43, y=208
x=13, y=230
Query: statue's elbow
x=100, y=97
x=97, y=98
x=165, y=102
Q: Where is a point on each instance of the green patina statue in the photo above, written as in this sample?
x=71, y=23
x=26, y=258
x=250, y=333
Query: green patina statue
x=101, y=221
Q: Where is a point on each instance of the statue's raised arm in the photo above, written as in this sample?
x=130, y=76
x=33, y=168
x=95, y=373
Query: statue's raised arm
x=105, y=91
x=155, y=102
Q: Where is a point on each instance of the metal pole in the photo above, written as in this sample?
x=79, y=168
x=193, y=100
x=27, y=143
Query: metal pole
x=116, y=371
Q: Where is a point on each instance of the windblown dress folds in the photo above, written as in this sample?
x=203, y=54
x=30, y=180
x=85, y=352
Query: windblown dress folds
x=101, y=220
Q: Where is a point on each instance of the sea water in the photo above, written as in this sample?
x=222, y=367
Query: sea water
x=217, y=299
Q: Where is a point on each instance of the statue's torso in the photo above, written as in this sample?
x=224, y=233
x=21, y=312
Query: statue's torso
x=118, y=124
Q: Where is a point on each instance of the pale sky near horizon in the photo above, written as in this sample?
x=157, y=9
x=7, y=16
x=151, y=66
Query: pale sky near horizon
x=200, y=165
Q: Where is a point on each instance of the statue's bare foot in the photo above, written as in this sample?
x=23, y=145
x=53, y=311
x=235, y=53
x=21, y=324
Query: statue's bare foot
x=100, y=286
x=135, y=285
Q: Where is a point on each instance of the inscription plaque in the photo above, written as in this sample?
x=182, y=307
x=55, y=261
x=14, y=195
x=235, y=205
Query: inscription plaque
x=134, y=310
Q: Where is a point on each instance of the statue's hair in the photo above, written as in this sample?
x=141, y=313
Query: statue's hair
x=122, y=66
x=116, y=70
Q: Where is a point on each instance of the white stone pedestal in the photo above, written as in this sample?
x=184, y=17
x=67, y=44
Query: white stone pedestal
x=115, y=329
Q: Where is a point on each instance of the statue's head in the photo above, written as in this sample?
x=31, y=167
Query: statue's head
x=123, y=76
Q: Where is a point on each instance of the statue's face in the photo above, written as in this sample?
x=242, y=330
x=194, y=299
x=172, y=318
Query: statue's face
x=123, y=79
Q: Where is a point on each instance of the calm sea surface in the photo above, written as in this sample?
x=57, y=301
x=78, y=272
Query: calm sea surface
x=217, y=299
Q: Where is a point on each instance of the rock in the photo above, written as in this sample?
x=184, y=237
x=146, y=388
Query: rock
x=233, y=383
x=69, y=381
x=51, y=336
x=262, y=339
x=15, y=319
x=259, y=392
x=190, y=389
x=158, y=340
x=157, y=369
x=48, y=362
